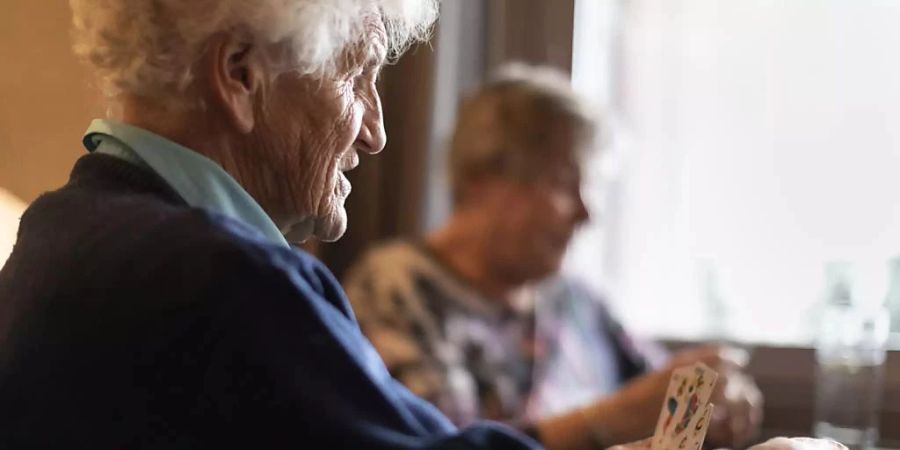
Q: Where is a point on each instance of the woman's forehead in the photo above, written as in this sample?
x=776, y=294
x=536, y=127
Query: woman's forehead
x=565, y=165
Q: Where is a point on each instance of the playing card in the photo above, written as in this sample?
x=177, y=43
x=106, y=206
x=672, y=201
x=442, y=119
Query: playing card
x=698, y=391
x=692, y=438
x=697, y=430
x=686, y=398
x=674, y=398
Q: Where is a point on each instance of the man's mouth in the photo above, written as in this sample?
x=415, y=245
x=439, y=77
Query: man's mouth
x=343, y=187
x=349, y=161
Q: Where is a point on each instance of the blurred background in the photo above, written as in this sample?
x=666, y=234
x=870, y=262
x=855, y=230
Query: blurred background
x=750, y=169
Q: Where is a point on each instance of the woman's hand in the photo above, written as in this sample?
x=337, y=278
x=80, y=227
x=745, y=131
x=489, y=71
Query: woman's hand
x=631, y=412
x=738, y=412
x=737, y=416
x=799, y=443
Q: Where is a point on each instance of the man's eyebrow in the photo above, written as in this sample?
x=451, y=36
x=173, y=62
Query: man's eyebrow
x=377, y=57
x=381, y=52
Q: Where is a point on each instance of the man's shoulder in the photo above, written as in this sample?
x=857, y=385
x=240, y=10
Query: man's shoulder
x=110, y=219
x=136, y=239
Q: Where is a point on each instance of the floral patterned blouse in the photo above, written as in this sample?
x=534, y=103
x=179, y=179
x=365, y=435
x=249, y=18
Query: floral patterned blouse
x=474, y=357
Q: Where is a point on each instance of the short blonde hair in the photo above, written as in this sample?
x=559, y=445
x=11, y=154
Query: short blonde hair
x=507, y=126
x=148, y=47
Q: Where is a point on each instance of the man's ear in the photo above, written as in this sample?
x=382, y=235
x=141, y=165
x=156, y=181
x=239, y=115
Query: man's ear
x=235, y=73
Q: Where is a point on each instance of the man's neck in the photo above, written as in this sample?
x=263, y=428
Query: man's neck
x=198, y=131
x=191, y=128
x=170, y=122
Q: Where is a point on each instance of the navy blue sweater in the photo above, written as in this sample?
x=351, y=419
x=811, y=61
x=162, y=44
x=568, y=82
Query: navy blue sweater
x=129, y=320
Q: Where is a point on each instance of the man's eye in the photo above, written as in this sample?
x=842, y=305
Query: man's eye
x=365, y=79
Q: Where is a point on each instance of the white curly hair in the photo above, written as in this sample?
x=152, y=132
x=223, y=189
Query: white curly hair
x=148, y=47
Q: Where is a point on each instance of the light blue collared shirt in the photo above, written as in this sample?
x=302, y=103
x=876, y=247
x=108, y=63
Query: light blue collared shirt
x=201, y=182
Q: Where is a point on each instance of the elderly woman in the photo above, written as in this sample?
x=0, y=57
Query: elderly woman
x=475, y=318
x=153, y=301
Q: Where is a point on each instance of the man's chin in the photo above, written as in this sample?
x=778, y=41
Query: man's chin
x=332, y=227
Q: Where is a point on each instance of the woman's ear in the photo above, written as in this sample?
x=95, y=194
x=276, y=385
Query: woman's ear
x=235, y=71
x=484, y=192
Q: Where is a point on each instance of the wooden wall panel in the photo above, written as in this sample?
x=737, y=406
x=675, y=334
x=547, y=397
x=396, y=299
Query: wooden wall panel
x=46, y=99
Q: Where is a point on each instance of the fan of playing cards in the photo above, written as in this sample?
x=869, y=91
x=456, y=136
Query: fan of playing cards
x=686, y=410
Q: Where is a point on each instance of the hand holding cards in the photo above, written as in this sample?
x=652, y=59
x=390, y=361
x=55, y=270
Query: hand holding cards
x=686, y=411
x=779, y=443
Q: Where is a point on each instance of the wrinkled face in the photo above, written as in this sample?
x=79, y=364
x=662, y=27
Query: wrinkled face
x=310, y=130
x=532, y=222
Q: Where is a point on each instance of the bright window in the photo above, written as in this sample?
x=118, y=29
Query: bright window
x=755, y=141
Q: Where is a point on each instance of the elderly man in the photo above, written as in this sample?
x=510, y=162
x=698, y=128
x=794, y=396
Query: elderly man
x=153, y=302
x=474, y=317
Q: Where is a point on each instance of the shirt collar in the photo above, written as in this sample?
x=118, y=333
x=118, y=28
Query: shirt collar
x=201, y=182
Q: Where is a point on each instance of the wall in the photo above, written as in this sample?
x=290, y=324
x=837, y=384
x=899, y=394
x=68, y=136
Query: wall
x=45, y=100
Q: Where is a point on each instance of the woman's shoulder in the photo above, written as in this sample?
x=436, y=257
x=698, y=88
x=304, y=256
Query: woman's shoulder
x=389, y=263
